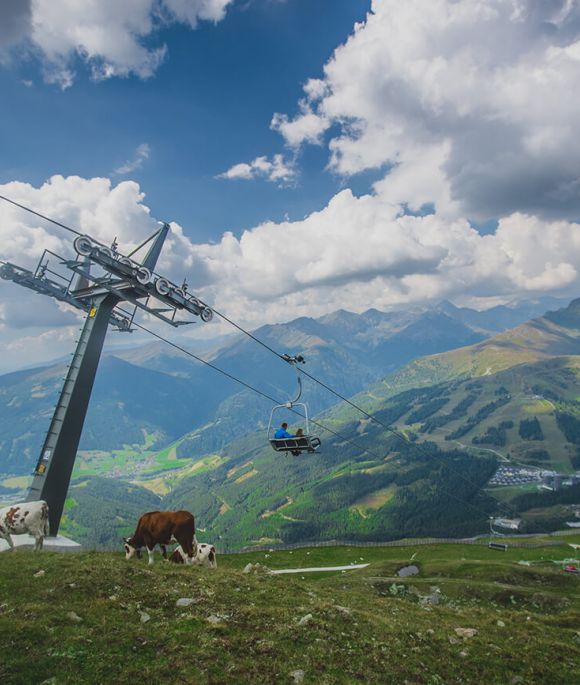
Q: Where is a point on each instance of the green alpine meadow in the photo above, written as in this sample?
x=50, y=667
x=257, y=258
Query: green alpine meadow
x=470, y=614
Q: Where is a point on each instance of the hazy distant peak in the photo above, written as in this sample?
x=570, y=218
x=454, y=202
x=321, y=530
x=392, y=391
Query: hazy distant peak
x=568, y=317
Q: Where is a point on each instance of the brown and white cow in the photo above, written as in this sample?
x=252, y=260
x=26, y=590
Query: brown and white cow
x=29, y=517
x=205, y=556
x=162, y=528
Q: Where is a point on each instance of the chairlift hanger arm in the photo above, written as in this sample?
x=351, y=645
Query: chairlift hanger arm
x=293, y=360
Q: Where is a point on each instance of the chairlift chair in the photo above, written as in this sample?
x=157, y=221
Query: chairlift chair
x=493, y=544
x=295, y=445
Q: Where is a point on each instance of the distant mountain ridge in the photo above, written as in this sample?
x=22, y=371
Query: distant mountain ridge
x=150, y=396
x=553, y=335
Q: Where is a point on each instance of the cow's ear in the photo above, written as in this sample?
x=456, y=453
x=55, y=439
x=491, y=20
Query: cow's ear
x=125, y=540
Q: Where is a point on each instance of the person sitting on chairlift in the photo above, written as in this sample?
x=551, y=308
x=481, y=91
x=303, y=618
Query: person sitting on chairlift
x=299, y=434
x=282, y=432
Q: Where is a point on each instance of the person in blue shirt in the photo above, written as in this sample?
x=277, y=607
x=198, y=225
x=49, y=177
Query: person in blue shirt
x=282, y=432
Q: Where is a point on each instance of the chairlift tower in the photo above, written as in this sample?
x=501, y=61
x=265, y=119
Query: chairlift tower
x=110, y=288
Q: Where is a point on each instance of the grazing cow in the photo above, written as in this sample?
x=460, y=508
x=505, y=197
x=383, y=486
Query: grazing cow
x=205, y=556
x=162, y=528
x=29, y=517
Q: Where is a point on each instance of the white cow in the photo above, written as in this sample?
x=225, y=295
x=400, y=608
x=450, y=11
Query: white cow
x=28, y=517
x=204, y=556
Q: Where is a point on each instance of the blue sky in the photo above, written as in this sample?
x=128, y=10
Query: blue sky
x=208, y=106
x=311, y=154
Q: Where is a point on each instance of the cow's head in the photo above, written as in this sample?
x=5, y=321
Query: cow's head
x=206, y=556
x=130, y=549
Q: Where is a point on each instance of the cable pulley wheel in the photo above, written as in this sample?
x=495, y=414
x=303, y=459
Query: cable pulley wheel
x=105, y=251
x=143, y=275
x=162, y=286
x=83, y=245
x=206, y=314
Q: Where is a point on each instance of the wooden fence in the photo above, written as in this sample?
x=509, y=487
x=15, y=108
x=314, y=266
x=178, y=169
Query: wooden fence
x=512, y=541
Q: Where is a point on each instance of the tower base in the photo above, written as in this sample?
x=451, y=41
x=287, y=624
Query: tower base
x=51, y=544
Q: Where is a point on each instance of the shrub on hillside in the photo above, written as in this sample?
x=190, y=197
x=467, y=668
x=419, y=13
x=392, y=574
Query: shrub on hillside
x=537, y=455
x=493, y=436
x=479, y=416
x=570, y=426
x=530, y=429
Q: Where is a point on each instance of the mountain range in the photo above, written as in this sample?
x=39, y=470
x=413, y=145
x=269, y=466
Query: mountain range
x=147, y=397
x=456, y=415
x=511, y=400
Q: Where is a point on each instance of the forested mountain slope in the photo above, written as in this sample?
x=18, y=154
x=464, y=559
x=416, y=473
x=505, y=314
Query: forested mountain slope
x=522, y=409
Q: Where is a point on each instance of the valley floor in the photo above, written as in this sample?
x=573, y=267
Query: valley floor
x=472, y=615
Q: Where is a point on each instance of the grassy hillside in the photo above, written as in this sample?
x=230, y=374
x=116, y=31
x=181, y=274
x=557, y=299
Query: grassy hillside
x=471, y=615
x=512, y=398
x=342, y=493
x=509, y=399
x=491, y=413
x=248, y=494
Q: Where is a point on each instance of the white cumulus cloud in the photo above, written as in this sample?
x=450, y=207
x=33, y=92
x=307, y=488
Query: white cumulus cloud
x=464, y=103
x=356, y=253
x=277, y=170
x=110, y=36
